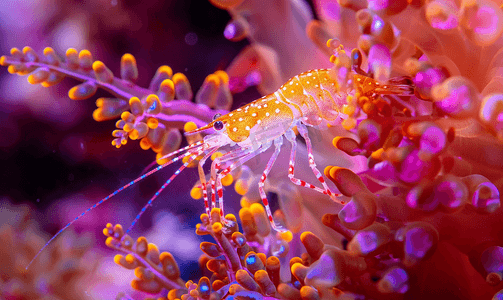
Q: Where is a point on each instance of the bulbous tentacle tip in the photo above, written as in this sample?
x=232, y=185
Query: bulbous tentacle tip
x=394, y=281
x=129, y=69
x=83, y=91
x=85, y=60
x=102, y=72
x=226, y=4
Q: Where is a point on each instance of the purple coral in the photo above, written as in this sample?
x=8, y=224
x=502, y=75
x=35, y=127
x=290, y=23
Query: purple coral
x=431, y=157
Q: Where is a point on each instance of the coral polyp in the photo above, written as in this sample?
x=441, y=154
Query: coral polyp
x=400, y=122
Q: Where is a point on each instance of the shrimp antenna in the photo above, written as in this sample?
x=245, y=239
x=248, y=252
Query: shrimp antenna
x=158, y=168
x=149, y=203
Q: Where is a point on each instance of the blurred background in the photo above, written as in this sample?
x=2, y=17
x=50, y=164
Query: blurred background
x=56, y=158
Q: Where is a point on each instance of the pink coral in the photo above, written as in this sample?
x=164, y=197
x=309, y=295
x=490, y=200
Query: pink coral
x=423, y=170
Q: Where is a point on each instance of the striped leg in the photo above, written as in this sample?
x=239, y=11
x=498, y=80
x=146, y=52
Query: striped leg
x=291, y=137
x=202, y=178
x=277, y=148
x=249, y=155
x=216, y=169
x=303, y=131
x=216, y=166
x=220, y=173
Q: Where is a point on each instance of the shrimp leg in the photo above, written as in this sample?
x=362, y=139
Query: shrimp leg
x=303, y=132
x=247, y=155
x=277, y=148
x=202, y=178
x=216, y=165
x=290, y=135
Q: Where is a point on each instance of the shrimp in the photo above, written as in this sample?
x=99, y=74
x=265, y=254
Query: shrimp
x=314, y=98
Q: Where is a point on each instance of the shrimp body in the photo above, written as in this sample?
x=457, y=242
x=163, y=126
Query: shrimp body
x=311, y=98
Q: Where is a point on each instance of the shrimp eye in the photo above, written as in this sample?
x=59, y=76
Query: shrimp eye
x=218, y=125
x=216, y=116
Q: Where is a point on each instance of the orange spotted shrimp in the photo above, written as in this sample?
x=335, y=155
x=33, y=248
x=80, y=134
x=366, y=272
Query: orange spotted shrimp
x=314, y=98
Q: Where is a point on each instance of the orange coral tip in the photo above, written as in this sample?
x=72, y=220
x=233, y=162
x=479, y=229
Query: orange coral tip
x=217, y=227
x=287, y=236
x=82, y=91
x=196, y=193
x=15, y=51
x=216, y=155
x=117, y=259
x=224, y=77
x=85, y=59
x=48, y=51
x=189, y=126
x=227, y=180
x=226, y=4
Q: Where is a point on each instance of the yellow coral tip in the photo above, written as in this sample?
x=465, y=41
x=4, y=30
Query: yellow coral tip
x=166, y=69
x=31, y=79
x=216, y=155
x=168, y=84
x=377, y=154
x=224, y=77
x=152, y=123
x=14, y=51
x=196, y=193
x=130, y=258
x=2, y=61
x=227, y=180
x=326, y=171
x=117, y=259
x=189, y=126
x=152, y=97
x=217, y=227
x=286, y=236
x=348, y=110
x=98, y=66
x=134, y=134
x=84, y=53
x=244, y=202
x=225, y=4
x=71, y=51
x=336, y=140
x=132, y=100
x=161, y=160
x=48, y=50
x=349, y=123
x=240, y=187
x=179, y=77
x=145, y=144
x=128, y=57
x=231, y=217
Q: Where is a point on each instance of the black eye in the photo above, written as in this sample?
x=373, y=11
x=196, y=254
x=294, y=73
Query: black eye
x=216, y=116
x=218, y=125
